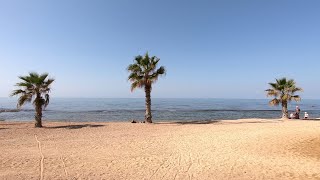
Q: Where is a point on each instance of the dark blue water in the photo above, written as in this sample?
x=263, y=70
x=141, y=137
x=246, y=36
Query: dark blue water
x=82, y=109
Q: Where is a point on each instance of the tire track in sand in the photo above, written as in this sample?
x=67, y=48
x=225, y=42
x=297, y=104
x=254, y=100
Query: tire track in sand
x=42, y=157
x=161, y=166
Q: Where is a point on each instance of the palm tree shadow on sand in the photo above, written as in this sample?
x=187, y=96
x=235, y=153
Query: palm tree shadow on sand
x=76, y=126
x=192, y=122
x=216, y=121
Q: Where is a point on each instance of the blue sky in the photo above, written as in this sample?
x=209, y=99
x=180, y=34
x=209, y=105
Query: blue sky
x=211, y=49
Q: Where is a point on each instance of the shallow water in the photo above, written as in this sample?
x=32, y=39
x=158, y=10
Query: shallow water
x=124, y=109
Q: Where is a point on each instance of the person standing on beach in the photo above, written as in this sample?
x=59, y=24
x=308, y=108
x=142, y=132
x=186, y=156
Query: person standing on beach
x=297, y=112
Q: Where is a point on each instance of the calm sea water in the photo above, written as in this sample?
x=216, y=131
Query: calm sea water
x=82, y=109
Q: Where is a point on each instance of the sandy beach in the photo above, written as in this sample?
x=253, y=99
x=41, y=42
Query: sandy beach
x=241, y=149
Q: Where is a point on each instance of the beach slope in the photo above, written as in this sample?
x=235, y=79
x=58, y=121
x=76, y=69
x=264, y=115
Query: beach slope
x=240, y=149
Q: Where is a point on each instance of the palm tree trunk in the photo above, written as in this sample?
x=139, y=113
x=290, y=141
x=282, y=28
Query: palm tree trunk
x=38, y=117
x=38, y=114
x=148, y=115
x=284, y=110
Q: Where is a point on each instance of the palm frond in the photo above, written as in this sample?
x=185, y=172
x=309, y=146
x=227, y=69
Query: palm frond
x=138, y=59
x=23, y=99
x=33, y=86
x=47, y=100
x=159, y=72
x=50, y=81
x=135, y=77
x=296, y=98
x=43, y=77
x=25, y=84
x=284, y=91
x=296, y=89
x=272, y=92
x=137, y=84
x=144, y=72
x=25, y=78
x=135, y=68
x=274, y=102
x=17, y=92
x=274, y=85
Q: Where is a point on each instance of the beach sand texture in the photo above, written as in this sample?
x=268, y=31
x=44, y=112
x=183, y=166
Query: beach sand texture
x=242, y=149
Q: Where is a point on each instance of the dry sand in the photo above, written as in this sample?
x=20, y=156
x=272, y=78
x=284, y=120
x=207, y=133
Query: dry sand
x=243, y=149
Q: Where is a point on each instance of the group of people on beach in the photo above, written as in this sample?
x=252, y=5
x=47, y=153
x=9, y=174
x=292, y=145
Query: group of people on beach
x=296, y=114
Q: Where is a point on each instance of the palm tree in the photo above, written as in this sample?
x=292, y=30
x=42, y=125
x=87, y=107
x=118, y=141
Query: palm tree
x=34, y=87
x=283, y=91
x=143, y=73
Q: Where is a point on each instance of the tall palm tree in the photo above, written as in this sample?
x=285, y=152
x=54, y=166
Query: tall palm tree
x=283, y=91
x=34, y=87
x=143, y=73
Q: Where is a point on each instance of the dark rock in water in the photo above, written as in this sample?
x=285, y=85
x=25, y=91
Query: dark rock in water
x=142, y=122
x=133, y=121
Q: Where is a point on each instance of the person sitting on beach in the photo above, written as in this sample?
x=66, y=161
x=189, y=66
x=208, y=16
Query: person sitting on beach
x=306, y=115
x=291, y=116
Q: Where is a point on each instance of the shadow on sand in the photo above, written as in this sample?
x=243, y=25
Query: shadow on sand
x=75, y=126
x=217, y=121
x=192, y=122
x=309, y=119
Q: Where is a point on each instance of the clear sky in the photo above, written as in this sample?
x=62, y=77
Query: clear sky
x=211, y=49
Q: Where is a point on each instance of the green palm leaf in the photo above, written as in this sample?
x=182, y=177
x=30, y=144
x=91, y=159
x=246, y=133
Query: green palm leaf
x=34, y=88
x=143, y=73
x=283, y=91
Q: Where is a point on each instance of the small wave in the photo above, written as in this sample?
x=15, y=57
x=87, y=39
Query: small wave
x=15, y=110
x=97, y=111
x=162, y=110
x=172, y=110
x=236, y=110
x=212, y=110
x=9, y=110
x=142, y=110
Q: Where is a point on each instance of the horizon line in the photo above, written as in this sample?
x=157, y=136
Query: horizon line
x=164, y=98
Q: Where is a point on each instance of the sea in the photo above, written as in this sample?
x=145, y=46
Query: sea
x=163, y=109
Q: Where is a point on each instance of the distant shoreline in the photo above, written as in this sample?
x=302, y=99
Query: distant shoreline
x=162, y=109
x=163, y=121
